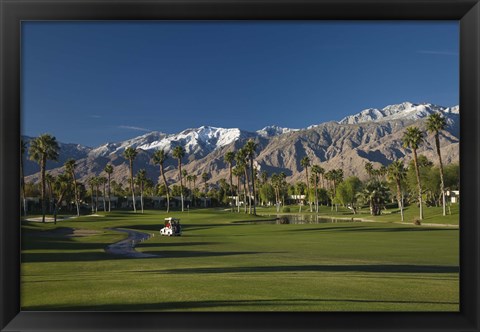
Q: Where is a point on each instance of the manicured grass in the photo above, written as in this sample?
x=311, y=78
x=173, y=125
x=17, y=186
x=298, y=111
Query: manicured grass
x=222, y=265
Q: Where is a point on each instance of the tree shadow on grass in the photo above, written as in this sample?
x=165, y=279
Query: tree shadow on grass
x=209, y=304
x=99, y=256
x=357, y=229
x=381, y=268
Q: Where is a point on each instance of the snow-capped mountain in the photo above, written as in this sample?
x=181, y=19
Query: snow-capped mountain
x=271, y=131
x=403, y=111
x=198, y=141
x=373, y=135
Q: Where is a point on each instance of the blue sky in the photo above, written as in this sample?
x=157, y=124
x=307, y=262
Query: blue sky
x=97, y=82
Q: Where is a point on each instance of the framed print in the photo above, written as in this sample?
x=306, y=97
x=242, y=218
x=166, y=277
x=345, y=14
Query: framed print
x=238, y=165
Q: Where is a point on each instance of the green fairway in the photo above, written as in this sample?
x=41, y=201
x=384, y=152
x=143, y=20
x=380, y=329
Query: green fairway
x=223, y=264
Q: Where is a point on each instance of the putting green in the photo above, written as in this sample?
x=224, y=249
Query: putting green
x=220, y=264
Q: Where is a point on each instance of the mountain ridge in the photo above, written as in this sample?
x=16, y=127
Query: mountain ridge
x=372, y=135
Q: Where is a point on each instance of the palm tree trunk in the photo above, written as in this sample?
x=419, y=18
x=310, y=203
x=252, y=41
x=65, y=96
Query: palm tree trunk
x=131, y=186
x=316, y=193
x=231, y=185
x=248, y=190
x=308, y=191
x=399, y=199
x=75, y=190
x=141, y=195
x=181, y=183
x=42, y=169
x=109, y=198
x=103, y=196
x=252, y=171
x=166, y=187
x=442, y=183
x=96, y=199
x=244, y=195
x=419, y=185
x=238, y=194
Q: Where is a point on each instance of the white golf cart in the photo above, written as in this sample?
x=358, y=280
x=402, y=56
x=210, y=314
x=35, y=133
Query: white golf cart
x=172, y=227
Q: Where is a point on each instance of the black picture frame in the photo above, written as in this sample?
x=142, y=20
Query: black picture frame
x=13, y=12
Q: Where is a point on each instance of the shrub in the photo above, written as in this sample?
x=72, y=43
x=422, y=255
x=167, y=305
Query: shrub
x=286, y=209
x=417, y=222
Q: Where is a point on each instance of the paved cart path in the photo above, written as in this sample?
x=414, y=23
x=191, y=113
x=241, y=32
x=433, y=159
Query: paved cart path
x=127, y=247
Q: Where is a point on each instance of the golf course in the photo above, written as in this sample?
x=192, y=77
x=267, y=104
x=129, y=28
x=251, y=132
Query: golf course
x=227, y=261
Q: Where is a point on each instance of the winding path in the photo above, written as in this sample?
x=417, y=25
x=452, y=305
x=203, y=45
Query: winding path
x=127, y=247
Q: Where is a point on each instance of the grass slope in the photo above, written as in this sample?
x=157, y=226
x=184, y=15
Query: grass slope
x=220, y=265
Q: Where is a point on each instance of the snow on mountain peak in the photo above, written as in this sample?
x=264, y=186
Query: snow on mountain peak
x=405, y=111
x=270, y=131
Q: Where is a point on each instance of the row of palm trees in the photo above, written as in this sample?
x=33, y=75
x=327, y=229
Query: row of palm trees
x=45, y=148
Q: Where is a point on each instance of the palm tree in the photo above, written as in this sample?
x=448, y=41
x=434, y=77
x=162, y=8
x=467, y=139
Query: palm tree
x=194, y=179
x=50, y=179
x=316, y=171
x=179, y=153
x=92, y=182
x=250, y=148
x=189, y=179
x=131, y=154
x=375, y=194
x=70, y=168
x=102, y=181
x=369, y=169
x=435, y=123
x=397, y=173
x=60, y=186
x=240, y=159
x=305, y=162
x=141, y=179
x=159, y=158
x=205, y=178
x=43, y=148
x=237, y=171
x=109, y=170
x=23, y=148
x=412, y=139
x=229, y=158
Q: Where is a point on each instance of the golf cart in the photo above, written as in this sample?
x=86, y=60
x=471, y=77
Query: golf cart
x=172, y=227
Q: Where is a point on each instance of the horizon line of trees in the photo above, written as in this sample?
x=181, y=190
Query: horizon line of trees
x=419, y=182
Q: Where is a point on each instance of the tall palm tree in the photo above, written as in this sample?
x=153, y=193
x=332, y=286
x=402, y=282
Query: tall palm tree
x=109, y=170
x=131, y=154
x=23, y=148
x=194, y=179
x=50, y=179
x=189, y=179
x=412, y=139
x=43, y=148
x=205, y=177
x=250, y=148
x=435, y=123
x=397, y=173
x=241, y=161
x=159, y=158
x=237, y=171
x=179, y=153
x=229, y=158
x=321, y=172
x=316, y=172
x=305, y=162
x=92, y=182
x=141, y=179
x=70, y=169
